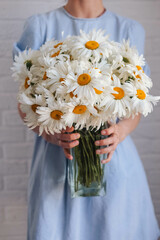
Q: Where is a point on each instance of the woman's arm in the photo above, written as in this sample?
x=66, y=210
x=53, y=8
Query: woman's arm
x=117, y=133
x=63, y=139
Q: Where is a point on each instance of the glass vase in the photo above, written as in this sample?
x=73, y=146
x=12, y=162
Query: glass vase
x=85, y=172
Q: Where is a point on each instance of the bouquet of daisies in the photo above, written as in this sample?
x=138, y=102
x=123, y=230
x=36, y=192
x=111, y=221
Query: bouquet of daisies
x=83, y=81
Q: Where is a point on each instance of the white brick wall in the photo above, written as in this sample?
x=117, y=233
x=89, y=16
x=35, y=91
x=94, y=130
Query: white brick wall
x=16, y=141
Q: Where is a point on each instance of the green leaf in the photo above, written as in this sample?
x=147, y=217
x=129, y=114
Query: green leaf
x=100, y=60
x=127, y=81
x=28, y=64
x=32, y=95
x=125, y=60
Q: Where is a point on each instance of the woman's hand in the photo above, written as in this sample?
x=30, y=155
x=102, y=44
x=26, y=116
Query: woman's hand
x=65, y=139
x=113, y=139
x=116, y=133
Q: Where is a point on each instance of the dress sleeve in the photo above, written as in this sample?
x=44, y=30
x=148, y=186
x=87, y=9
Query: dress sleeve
x=136, y=34
x=31, y=36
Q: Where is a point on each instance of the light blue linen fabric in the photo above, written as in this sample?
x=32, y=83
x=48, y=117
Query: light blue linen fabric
x=126, y=212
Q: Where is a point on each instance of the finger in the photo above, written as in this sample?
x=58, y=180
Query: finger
x=108, y=131
x=68, y=144
x=107, y=141
x=68, y=129
x=69, y=137
x=106, y=150
x=109, y=157
x=67, y=154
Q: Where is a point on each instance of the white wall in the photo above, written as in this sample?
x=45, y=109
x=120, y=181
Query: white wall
x=16, y=141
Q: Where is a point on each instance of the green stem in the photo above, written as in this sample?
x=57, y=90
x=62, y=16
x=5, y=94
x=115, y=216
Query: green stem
x=87, y=162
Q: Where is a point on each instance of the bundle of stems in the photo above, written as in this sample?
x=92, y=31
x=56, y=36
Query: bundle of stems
x=87, y=164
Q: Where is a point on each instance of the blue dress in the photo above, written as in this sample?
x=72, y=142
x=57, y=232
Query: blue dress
x=126, y=212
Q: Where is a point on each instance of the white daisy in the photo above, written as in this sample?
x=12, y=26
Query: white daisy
x=41, y=76
x=91, y=45
x=116, y=64
x=85, y=83
x=95, y=121
x=27, y=80
x=25, y=59
x=131, y=55
x=29, y=106
x=57, y=75
x=78, y=113
x=50, y=45
x=136, y=75
x=51, y=118
x=105, y=69
x=142, y=77
x=117, y=102
x=141, y=101
x=53, y=52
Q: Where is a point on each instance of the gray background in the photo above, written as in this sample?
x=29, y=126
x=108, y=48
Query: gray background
x=17, y=141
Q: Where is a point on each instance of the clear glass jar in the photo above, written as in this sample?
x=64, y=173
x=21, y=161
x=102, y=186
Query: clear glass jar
x=85, y=172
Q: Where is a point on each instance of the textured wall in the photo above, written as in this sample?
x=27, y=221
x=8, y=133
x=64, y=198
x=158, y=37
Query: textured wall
x=17, y=142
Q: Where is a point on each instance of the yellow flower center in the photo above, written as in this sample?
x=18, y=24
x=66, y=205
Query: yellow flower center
x=84, y=79
x=97, y=91
x=92, y=45
x=61, y=79
x=120, y=94
x=138, y=76
x=80, y=109
x=56, y=114
x=55, y=54
x=58, y=44
x=45, y=76
x=34, y=107
x=141, y=94
x=139, y=68
x=72, y=95
x=26, y=85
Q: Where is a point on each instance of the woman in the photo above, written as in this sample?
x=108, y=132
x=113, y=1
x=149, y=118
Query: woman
x=126, y=212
